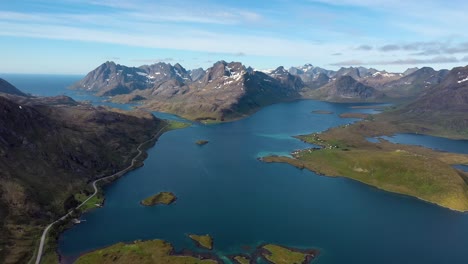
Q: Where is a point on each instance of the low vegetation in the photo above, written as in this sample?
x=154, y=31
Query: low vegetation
x=159, y=198
x=282, y=255
x=96, y=201
x=203, y=241
x=143, y=252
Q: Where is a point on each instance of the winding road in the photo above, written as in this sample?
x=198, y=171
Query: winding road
x=46, y=230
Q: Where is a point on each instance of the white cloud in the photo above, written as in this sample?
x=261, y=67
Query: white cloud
x=170, y=39
x=407, y=61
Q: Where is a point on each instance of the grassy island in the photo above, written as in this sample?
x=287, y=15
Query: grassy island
x=283, y=255
x=144, y=252
x=411, y=170
x=160, y=198
x=203, y=241
x=240, y=259
x=201, y=142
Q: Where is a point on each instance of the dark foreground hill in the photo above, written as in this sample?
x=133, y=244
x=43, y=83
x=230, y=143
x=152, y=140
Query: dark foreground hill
x=50, y=148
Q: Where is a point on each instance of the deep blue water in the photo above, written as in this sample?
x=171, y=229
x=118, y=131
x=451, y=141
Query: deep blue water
x=462, y=167
x=225, y=191
x=51, y=85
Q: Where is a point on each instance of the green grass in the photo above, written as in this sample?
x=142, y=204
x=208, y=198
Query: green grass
x=205, y=241
x=146, y=252
x=280, y=255
x=91, y=203
x=160, y=198
x=177, y=125
x=327, y=144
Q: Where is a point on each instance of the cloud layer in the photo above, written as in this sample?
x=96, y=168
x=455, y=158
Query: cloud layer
x=263, y=34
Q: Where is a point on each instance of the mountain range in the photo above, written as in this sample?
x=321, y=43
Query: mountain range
x=50, y=148
x=228, y=91
x=225, y=91
x=442, y=108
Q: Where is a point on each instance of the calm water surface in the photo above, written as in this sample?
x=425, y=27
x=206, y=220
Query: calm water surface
x=438, y=143
x=223, y=190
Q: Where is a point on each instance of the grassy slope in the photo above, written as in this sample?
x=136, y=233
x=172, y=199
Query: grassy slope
x=404, y=169
x=154, y=251
x=177, y=125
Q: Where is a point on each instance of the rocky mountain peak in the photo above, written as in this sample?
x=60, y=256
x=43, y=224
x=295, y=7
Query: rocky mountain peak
x=280, y=71
x=223, y=69
x=410, y=70
x=196, y=74
x=351, y=71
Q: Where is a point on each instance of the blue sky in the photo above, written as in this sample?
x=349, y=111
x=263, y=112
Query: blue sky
x=75, y=36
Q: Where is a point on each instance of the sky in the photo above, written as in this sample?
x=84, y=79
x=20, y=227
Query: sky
x=76, y=36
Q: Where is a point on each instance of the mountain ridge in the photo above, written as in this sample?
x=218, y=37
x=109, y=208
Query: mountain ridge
x=220, y=93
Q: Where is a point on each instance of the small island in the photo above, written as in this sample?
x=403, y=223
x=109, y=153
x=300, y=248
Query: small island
x=283, y=255
x=203, y=241
x=322, y=112
x=240, y=259
x=201, y=142
x=160, y=198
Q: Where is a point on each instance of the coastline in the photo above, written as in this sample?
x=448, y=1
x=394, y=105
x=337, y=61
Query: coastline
x=357, y=180
x=65, y=220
